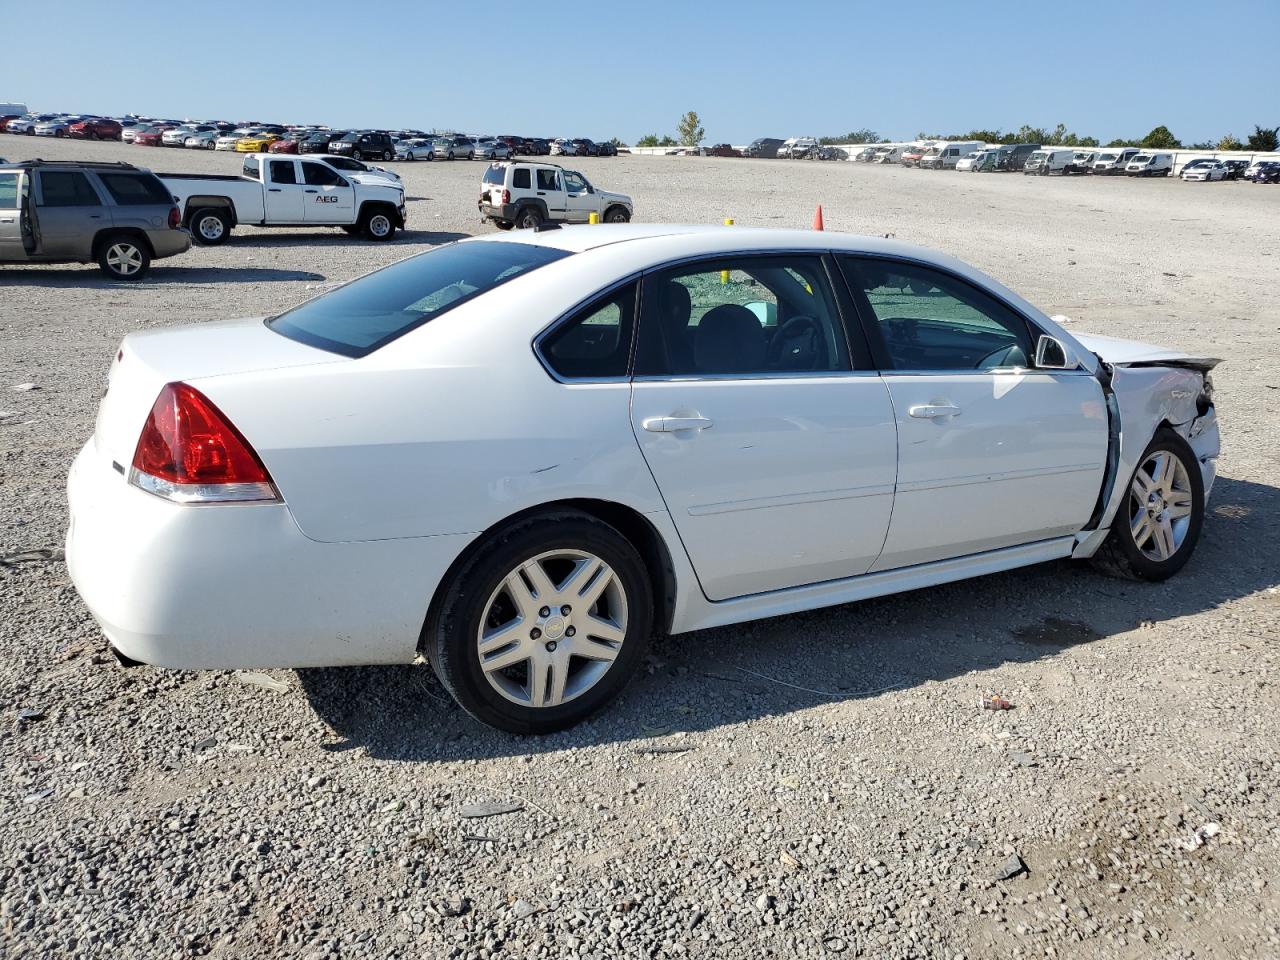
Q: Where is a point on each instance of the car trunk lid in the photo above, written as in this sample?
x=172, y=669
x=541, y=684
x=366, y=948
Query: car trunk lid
x=148, y=360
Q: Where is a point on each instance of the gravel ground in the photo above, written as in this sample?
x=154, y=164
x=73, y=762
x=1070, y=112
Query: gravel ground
x=811, y=785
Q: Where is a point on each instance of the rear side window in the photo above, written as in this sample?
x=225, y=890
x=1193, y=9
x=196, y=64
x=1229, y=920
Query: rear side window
x=368, y=313
x=596, y=342
x=250, y=168
x=282, y=172
x=67, y=188
x=135, y=190
x=9, y=191
x=520, y=179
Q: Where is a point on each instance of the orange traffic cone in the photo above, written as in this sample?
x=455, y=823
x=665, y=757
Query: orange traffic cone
x=817, y=219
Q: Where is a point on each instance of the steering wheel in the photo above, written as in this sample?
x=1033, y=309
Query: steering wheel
x=799, y=344
x=1010, y=356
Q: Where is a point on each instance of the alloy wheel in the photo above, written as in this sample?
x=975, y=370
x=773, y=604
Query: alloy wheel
x=1160, y=505
x=124, y=258
x=552, y=628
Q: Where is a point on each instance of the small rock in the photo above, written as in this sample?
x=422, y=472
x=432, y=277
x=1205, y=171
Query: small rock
x=452, y=907
x=834, y=945
x=207, y=743
x=764, y=902
x=497, y=808
x=1011, y=868
x=29, y=714
x=38, y=795
x=1023, y=759
x=523, y=909
x=262, y=680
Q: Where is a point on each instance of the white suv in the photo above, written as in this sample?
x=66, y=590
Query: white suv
x=523, y=194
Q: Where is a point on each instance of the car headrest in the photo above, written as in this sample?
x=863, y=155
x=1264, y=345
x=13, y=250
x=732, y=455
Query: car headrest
x=729, y=340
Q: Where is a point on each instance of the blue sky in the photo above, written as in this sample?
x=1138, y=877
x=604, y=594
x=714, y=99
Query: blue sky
x=604, y=69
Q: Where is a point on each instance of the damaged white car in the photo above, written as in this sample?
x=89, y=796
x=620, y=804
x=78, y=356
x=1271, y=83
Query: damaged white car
x=516, y=456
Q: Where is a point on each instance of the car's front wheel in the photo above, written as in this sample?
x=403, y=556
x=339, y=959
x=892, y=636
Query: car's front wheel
x=544, y=625
x=378, y=225
x=1156, y=528
x=617, y=215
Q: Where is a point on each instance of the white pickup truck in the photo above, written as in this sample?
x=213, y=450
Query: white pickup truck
x=284, y=191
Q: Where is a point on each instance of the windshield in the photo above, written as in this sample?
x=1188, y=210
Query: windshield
x=1141, y=158
x=368, y=313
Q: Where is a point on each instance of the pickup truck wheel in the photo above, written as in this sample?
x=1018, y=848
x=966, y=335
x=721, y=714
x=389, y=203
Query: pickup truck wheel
x=378, y=225
x=123, y=258
x=617, y=215
x=529, y=218
x=210, y=226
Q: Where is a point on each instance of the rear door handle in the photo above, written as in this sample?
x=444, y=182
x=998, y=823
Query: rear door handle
x=932, y=411
x=273, y=189
x=674, y=424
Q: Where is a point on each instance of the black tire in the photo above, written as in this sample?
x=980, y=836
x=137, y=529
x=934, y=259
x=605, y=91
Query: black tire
x=356, y=155
x=449, y=638
x=529, y=218
x=210, y=226
x=387, y=156
x=1119, y=555
x=123, y=257
x=617, y=215
x=377, y=224
x=503, y=224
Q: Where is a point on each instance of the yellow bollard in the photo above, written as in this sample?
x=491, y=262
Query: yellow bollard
x=724, y=274
x=593, y=217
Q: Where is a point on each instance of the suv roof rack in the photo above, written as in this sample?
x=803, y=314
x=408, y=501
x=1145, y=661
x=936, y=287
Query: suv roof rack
x=37, y=162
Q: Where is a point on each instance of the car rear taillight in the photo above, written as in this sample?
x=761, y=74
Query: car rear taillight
x=189, y=452
x=175, y=218
x=506, y=196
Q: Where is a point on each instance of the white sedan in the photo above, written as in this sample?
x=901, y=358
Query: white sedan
x=1204, y=170
x=518, y=455
x=227, y=141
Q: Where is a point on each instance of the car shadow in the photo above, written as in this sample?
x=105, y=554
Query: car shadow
x=61, y=276
x=699, y=681
x=276, y=239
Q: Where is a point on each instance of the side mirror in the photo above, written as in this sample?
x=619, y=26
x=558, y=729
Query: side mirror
x=590, y=188
x=1052, y=354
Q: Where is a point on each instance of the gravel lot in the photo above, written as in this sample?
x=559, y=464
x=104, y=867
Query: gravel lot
x=815, y=784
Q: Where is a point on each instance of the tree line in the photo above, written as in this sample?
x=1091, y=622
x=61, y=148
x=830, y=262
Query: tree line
x=1262, y=140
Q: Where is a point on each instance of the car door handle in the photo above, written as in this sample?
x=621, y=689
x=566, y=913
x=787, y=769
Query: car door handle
x=311, y=191
x=6, y=219
x=674, y=424
x=273, y=189
x=932, y=411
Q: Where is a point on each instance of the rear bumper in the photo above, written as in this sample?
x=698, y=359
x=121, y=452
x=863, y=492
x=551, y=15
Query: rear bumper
x=501, y=211
x=236, y=586
x=169, y=243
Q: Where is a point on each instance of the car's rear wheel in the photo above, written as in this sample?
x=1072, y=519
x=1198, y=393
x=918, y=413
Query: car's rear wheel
x=377, y=224
x=387, y=156
x=121, y=257
x=210, y=226
x=529, y=218
x=543, y=625
x=1158, y=525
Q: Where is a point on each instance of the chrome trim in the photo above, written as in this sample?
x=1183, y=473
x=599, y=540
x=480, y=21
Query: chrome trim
x=204, y=493
x=746, y=377
x=972, y=371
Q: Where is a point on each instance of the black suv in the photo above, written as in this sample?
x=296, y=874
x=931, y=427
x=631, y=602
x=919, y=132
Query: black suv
x=364, y=146
x=319, y=142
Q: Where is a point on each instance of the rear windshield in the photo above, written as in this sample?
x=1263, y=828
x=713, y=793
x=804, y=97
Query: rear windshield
x=368, y=313
x=136, y=190
x=494, y=175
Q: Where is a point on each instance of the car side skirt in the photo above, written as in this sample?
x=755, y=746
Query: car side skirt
x=694, y=612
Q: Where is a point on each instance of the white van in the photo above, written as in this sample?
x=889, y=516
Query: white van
x=945, y=156
x=888, y=155
x=1045, y=162
x=1150, y=165
x=13, y=109
x=1114, y=160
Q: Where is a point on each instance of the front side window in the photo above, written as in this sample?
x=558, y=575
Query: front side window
x=67, y=188
x=322, y=175
x=596, y=342
x=362, y=316
x=927, y=320
x=749, y=316
x=575, y=182
x=282, y=171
